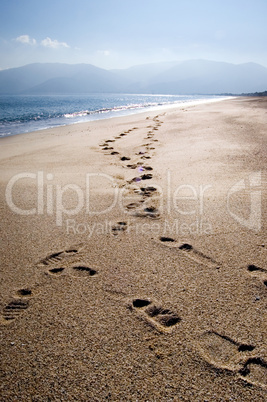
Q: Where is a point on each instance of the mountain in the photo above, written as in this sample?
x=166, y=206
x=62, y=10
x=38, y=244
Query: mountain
x=140, y=76
x=57, y=78
x=209, y=77
x=188, y=77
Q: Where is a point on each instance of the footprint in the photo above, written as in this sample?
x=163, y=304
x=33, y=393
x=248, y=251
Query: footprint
x=134, y=166
x=147, y=192
x=114, y=153
x=147, y=167
x=167, y=239
x=163, y=320
x=253, y=268
x=257, y=272
x=192, y=253
x=118, y=227
x=58, y=257
x=125, y=158
x=152, y=212
x=134, y=180
x=13, y=310
x=133, y=205
x=255, y=371
x=222, y=351
x=148, y=212
x=147, y=176
x=82, y=271
x=198, y=256
x=56, y=271
x=25, y=292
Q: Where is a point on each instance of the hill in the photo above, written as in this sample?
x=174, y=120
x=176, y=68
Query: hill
x=188, y=77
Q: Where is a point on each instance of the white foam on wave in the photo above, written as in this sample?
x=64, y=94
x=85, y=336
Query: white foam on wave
x=137, y=106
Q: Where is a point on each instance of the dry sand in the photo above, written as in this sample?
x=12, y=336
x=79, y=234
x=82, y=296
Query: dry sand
x=156, y=295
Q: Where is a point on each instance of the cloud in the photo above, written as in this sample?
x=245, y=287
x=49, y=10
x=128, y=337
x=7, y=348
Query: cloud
x=104, y=52
x=54, y=44
x=47, y=42
x=26, y=40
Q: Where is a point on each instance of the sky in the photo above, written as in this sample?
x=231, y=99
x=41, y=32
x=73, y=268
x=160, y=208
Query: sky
x=122, y=33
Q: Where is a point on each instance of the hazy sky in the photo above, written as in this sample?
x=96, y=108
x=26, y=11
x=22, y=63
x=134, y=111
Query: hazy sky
x=122, y=33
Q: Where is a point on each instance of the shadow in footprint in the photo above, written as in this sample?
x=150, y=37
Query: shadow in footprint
x=58, y=257
x=252, y=268
x=164, y=316
x=149, y=212
x=120, y=226
x=257, y=272
x=222, y=351
x=13, y=310
x=133, y=205
x=193, y=253
x=146, y=176
x=147, y=167
x=152, y=212
x=25, y=292
x=255, y=371
x=139, y=303
x=147, y=191
x=82, y=271
x=56, y=271
x=186, y=247
x=166, y=239
x=198, y=256
x=161, y=319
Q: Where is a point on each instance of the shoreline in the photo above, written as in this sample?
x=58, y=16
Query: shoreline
x=129, y=112
x=134, y=254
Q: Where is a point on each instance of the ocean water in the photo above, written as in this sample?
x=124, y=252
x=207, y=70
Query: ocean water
x=21, y=114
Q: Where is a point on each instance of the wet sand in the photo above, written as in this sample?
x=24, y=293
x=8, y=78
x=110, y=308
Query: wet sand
x=134, y=258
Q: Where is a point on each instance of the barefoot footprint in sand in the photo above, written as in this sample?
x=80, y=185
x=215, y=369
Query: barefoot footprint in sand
x=257, y=272
x=54, y=258
x=190, y=251
x=225, y=353
x=119, y=227
x=161, y=319
x=65, y=262
x=222, y=351
x=19, y=303
x=255, y=371
x=55, y=264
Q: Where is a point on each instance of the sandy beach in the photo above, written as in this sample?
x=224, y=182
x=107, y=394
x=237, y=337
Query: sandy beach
x=133, y=258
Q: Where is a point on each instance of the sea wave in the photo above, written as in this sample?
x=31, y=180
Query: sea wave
x=19, y=114
x=115, y=109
